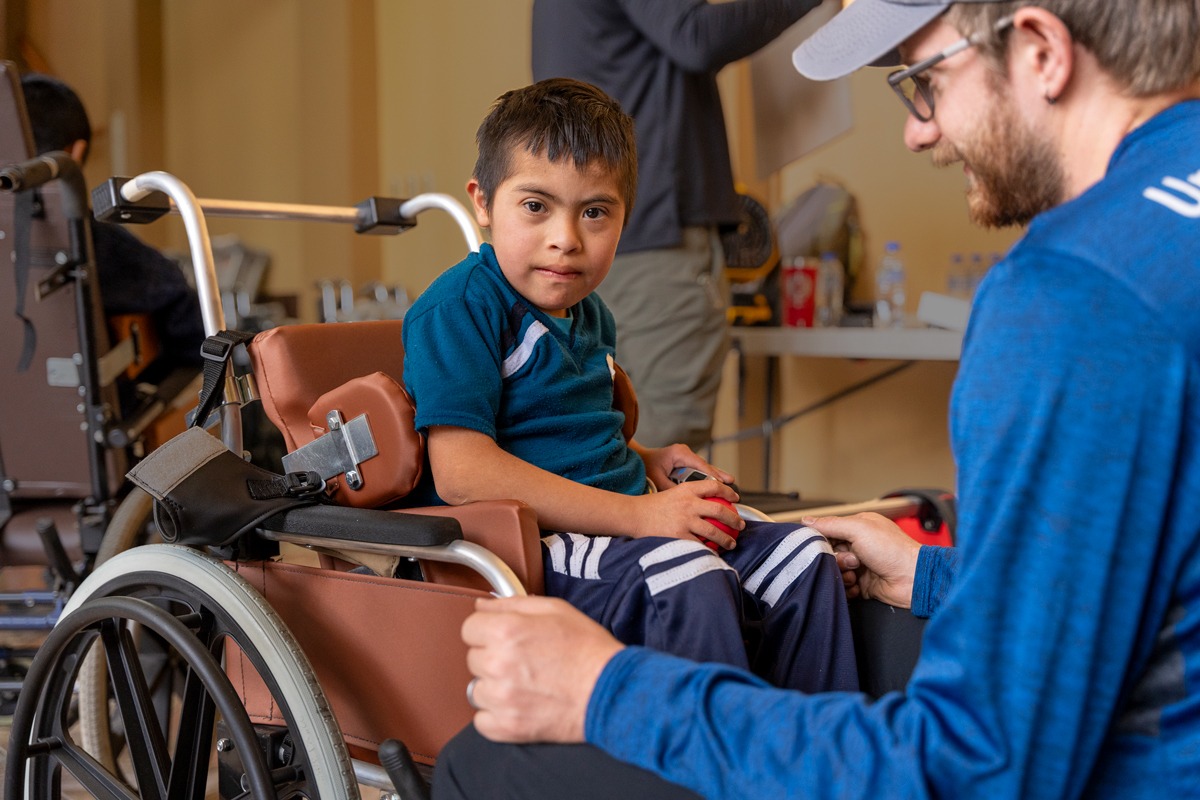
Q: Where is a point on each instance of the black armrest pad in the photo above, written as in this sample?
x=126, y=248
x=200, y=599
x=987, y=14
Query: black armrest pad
x=343, y=523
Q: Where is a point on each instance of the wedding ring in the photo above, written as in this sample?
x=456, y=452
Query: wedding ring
x=471, y=693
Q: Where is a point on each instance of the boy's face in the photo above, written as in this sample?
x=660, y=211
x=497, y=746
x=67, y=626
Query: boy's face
x=554, y=228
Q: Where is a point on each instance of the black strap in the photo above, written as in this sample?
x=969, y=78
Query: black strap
x=293, y=484
x=217, y=350
x=26, y=206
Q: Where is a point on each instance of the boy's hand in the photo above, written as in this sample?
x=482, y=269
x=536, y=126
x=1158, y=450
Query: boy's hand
x=660, y=461
x=679, y=513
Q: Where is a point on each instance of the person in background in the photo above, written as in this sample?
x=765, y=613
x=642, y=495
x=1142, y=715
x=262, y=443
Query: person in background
x=1062, y=654
x=134, y=278
x=659, y=59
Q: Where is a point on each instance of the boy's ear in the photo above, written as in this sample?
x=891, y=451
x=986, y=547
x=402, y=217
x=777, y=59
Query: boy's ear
x=483, y=216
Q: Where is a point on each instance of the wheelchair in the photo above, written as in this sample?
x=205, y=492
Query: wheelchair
x=298, y=679
x=77, y=408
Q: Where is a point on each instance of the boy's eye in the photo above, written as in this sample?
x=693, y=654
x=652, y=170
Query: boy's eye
x=534, y=206
x=595, y=212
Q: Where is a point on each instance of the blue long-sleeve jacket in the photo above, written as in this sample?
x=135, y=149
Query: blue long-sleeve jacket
x=1064, y=660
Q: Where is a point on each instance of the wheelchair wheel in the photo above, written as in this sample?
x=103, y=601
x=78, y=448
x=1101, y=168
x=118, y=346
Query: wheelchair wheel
x=128, y=529
x=199, y=608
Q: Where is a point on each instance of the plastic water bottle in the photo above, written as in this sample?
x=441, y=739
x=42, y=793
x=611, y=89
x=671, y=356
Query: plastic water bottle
x=957, y=279
x=831, y=289
x=890, y=281
x=976, y=272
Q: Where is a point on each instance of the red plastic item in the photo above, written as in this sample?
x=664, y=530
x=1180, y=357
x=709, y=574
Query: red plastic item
x=721, y=526
x=912, y=526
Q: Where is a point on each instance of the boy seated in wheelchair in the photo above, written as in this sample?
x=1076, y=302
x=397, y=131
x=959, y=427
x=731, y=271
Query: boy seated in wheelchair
x=510, y=363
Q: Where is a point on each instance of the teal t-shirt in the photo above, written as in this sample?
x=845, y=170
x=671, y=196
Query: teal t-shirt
x=480, y=356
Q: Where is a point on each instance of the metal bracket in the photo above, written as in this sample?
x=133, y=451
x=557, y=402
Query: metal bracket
x=247, y=391
x=342, y=450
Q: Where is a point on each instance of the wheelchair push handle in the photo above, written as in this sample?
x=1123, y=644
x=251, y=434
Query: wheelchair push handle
x=141, y=199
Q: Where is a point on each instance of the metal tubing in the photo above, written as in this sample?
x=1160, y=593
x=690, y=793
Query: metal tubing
x=451, y=206
x=188, y=207
x=372, y=775
x=208, y=288
x=315, y=213
x=256, y=210
x=503, y=580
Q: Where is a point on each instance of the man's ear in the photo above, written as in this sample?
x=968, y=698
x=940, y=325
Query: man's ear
x=78, y=151
x=479, y=200
x=1046, y=49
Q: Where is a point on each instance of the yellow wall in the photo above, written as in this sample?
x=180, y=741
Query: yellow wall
x=329, y=101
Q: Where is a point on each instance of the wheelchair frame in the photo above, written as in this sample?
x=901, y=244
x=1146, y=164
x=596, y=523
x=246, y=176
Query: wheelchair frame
x=66, y=449
x=205, y=610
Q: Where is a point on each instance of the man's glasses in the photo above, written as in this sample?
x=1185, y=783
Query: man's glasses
x=912, y=85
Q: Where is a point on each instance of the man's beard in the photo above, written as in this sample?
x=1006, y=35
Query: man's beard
x=1014, y=176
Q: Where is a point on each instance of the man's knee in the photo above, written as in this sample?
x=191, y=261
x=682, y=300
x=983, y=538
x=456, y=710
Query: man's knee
x=452, y=776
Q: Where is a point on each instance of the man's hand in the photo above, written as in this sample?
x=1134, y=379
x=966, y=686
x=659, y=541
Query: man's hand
x=877, y=559
x=536, y=661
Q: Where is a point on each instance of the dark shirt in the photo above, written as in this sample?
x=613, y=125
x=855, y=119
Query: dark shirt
x=659, y=59
x=137, y=279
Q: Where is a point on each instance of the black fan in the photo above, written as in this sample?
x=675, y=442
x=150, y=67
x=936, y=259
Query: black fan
x=752, y=243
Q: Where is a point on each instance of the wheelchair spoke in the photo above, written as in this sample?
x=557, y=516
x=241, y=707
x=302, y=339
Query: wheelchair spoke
x=189, y=770
x=92, y=775
x=143, y=733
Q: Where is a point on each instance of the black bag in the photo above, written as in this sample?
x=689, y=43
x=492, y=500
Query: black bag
x=206, y=496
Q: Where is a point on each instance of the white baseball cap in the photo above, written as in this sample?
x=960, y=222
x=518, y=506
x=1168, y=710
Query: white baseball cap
x=866, y=32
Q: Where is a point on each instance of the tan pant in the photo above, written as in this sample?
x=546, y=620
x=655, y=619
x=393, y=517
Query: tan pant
x=672, y=335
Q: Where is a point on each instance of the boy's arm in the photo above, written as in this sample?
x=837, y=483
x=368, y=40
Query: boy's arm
x=468, y=466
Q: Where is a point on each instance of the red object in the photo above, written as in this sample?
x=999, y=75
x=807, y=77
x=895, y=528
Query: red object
x=721, y=526
x=798, y=295
x=913, y=527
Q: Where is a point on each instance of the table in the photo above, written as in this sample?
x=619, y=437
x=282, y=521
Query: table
x=904, y=344
x=907, y=345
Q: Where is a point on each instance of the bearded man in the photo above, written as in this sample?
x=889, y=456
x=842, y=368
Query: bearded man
x=1062, y=654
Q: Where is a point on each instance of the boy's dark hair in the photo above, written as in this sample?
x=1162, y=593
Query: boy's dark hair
x=561, y=118
x=56, y=114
